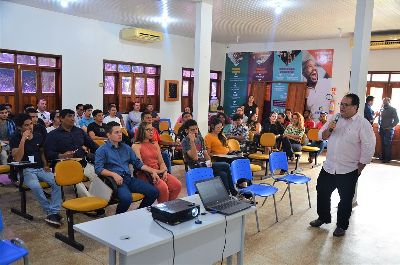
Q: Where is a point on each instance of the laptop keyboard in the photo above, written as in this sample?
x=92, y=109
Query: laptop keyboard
x=225, y=205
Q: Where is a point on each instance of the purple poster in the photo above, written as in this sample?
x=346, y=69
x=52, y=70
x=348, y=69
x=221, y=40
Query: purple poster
x=260, y=66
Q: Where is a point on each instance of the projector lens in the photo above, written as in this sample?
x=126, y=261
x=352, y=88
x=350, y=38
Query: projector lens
x=195, y=212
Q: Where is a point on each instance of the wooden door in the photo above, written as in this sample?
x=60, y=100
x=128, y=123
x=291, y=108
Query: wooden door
x=125, y=85
x=8, y=86
x=296, y=97
x=28, y=84
x=110, y=91
x=187, y=94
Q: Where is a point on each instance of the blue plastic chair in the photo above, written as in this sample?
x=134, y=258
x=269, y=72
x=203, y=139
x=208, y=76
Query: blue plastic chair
x=12, y=250
x=195, y=175
x=278, y=160
x=240, y=169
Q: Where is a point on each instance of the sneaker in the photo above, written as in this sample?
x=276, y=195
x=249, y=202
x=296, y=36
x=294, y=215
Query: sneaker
x=52, y=220
x=339, y=232
x=59, y=217
x=316, y=223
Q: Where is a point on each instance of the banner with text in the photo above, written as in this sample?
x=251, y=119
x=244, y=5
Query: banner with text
x=278, y=97
x=260, y=66
x=287, y=66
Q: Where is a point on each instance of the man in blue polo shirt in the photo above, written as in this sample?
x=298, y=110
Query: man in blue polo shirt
x=25, y=142
x=113, y=159
x=86, y=117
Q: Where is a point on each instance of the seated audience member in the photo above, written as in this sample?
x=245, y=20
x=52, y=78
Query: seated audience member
x=220, y=109
x=226, y=121
x=87, y=117
x=282, y=119
x=55, y=119
x=179, y=120
x=135, y=116
x=291, y=141
x=250, y=106
x=113, y=159
x=323, y=118
x=215, y=140
x=38, y=124
x=253, y=125
x=238, y=131
x=43, y=113
x=147, y=117
x=288, y=118
x=195, y=155
x=272, y=125
x=308, y=122
x=240, y=111
x=9, y=109
x=26, y=142
x=96, y=130
x=112, y=115
x=7, y=129
x=149, y=152
x=154, y=114
x=119, y=114
x=182, y=131
x=69, y=141
x=78, y=114
x=27, y=106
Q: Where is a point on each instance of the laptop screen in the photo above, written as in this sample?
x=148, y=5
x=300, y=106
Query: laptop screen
x=212, y=190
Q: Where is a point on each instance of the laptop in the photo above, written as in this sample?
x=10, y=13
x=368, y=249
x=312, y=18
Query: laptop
x=214, y=197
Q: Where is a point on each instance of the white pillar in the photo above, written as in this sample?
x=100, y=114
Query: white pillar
x=360, y=54
x=202, y=63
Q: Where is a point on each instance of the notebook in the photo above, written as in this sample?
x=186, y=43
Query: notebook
x=214, y=197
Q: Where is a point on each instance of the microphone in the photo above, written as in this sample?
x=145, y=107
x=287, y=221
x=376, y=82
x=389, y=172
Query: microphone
x=336, y=120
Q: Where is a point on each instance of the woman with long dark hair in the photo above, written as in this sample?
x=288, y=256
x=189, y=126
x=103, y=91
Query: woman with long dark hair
x=150, y=154
x=253, y=125
x=250, y=107
x=215, y=140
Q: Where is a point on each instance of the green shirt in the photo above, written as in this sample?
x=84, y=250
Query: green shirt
x=290, y=129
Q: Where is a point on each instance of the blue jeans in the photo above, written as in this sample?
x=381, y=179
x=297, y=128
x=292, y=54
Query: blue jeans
x=167, y=160
x=386, y=140
x=32, y=176
x=321, y=145
x=223, y=170
x=131, y=185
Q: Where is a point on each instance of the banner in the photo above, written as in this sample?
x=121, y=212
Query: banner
x=317, y=73
x=260, y=66
x=287, y=66
x=236, y=71
x=278, y=97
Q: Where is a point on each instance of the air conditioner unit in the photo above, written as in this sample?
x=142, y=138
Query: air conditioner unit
x=142, y=35
x=381, y=42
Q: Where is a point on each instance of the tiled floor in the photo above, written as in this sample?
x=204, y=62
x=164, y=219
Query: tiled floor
x=372, y=238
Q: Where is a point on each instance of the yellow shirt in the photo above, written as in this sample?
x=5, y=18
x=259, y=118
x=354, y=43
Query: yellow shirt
x=215, y=145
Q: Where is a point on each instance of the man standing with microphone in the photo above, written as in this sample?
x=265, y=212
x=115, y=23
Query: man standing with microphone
x=350, y=147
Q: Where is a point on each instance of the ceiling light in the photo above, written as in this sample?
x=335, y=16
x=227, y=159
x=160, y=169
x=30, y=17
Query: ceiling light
x=278, y=10
x=64, y=3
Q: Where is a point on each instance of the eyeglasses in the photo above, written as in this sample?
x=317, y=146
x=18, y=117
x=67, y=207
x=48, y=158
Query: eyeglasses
x=149, y=129
x=345, y=104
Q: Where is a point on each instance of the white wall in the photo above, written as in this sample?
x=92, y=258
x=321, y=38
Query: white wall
x=84, y=43
x=384, y=60
x=341, y=56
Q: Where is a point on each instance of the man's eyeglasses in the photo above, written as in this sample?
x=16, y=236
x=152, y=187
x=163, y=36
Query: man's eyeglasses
x=345, y=104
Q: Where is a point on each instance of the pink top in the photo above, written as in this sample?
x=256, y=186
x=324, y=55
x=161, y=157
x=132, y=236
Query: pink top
x=351, y=142
x=149, y=154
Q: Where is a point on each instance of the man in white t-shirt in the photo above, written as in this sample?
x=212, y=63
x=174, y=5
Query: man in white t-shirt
x=42, y=113
x=112, y=110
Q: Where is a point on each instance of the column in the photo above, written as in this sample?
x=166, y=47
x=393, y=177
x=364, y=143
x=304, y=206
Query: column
x=360, y=54
x=202, y=63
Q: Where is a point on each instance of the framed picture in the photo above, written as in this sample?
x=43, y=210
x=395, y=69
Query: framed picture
x=171, y=90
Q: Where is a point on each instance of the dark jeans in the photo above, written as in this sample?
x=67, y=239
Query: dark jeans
x=290, y=146
x=386, y=140
x=223, y=170
x=346, y=185
x=131, y=185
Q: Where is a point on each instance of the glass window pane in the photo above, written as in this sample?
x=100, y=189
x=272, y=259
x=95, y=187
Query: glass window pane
x=124, y=68
x=138, y=69
x=109, y=85
x=150, y=70
x=139, y=86
x=395, y=100
x=380, y=77
x=110, y=67
x=214, y=86
x=28, y=81
x=213, y=75
x=48, y=82
x=151, y=86
x=377, y=92
x=186, y=73
x=395, y=77
x=26, y=59
x=185, y=88
x=7, y=80
x=44, y=61
x=192, y=73
x=6, y=58
x=126, y=85
x=368, y=77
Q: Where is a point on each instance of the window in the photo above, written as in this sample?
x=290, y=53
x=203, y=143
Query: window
x=128, y=82
x=380, y=77
x=188, y=85
x=26, y=77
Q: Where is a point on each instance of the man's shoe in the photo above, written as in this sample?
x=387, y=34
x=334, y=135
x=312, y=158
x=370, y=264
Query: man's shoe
x=52, y=220
x=339, y=232
x=59, y=217
x=316, y=223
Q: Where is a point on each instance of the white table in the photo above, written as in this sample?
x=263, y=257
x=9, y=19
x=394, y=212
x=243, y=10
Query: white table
x=139, y=240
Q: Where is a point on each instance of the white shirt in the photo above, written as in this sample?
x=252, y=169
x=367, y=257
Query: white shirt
x=108, y=119
x=45, y=115
x=351, y=142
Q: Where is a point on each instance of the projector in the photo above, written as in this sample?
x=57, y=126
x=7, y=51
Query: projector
x=175, y=212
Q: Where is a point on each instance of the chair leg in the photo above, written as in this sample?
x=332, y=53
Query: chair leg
x=70, y=239
x=284, y=193
x=22, y=212
x=258, y=224
x=276, y=212
x=26, y=260
x=264, y=201
x=308, y=193
x=290, y=199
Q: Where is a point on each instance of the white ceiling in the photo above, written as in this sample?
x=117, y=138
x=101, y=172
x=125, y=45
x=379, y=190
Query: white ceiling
x=251, y=20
